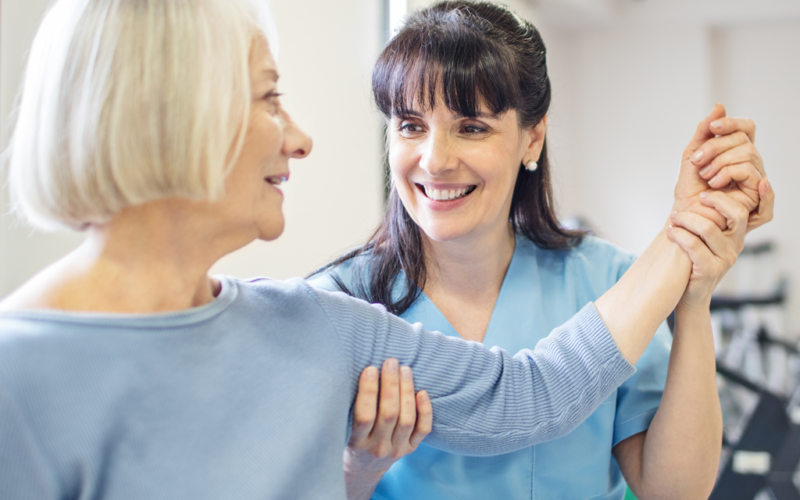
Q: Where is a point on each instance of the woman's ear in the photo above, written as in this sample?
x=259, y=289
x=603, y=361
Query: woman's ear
x=535, y=141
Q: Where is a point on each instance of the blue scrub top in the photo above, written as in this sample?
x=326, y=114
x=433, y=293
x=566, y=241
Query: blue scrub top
x=542, y=289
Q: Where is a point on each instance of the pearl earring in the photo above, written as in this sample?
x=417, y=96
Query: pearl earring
x=531, y=166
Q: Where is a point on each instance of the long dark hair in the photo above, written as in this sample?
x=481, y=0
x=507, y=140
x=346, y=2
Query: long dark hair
x=467, y=53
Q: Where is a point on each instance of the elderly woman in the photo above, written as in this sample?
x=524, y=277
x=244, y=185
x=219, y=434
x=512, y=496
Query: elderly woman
x=127, y=372
x=470, y=246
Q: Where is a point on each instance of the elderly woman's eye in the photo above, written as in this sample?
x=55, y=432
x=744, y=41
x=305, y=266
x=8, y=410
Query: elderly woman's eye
x=272, y=100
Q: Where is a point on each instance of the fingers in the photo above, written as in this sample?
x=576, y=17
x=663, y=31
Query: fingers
x=712, y=148
x=707, y=231
x=725, y=126
x=698, y=252
x=388, y=407
x=408, y=410
x=703, y=131
x=711, y=214
x=747, y=172
x=366, y=405
x=424, y=419
x=765, y=206
x=734, y=212
x=389, y=423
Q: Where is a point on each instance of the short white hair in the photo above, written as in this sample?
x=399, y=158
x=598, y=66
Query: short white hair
x=129, y=101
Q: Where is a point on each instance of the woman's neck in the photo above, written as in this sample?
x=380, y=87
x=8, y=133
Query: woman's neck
x=471, y=268
x=149, y=258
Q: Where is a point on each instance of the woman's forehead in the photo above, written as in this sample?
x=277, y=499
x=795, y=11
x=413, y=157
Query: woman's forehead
x=262, y=64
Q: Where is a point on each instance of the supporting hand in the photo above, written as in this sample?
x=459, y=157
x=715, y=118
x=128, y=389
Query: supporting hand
x=387, y=425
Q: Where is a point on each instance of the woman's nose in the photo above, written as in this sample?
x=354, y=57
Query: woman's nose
x=437, y=155
x=296, y=144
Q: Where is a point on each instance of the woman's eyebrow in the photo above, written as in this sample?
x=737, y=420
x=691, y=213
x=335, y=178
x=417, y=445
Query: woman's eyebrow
x=479, y=114
x=269, y=73
x=407, y=112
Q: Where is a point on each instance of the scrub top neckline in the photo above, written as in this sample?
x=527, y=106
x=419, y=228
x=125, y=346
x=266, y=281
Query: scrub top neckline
x=488, y=335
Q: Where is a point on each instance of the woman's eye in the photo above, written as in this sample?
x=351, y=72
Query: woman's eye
x=408, y=128
x=474, y=129
x=273, y=102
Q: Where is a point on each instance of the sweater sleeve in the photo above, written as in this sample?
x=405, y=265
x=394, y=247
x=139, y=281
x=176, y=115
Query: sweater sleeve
x=487, y=402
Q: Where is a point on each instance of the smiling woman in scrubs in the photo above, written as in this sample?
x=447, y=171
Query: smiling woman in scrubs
x=470, y=246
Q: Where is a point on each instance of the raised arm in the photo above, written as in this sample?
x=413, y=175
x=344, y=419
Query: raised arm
x=656, y=281
x=678, y=456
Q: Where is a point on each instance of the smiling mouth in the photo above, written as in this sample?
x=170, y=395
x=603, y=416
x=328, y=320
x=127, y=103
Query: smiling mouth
x=277, y=180
x=445, y=194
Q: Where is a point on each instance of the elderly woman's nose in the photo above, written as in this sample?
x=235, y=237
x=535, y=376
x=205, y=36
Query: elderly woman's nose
x=437, y=155
x=297, y=143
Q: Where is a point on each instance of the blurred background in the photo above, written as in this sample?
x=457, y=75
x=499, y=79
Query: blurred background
x=631, y=79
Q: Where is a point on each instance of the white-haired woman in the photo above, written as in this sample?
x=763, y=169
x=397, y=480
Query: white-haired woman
x=127, y=372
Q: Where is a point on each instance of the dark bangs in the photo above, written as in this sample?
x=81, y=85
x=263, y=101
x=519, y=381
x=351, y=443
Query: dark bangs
x=454, y=58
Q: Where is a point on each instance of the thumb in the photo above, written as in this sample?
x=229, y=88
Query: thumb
x=703, y=132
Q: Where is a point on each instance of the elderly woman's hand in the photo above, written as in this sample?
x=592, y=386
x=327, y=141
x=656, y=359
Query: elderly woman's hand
x=721, y=155
x=387, y=425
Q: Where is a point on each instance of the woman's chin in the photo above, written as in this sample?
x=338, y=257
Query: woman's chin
x=444, y=233
x=271, y=231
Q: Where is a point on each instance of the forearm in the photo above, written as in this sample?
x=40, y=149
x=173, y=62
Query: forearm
x=646, y=294
x=682, y=446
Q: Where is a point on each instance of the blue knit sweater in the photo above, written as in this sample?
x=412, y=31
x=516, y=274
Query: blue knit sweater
x=250, y=396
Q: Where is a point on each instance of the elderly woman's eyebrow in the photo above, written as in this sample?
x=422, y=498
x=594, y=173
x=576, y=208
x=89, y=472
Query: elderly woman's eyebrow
x=268, y=72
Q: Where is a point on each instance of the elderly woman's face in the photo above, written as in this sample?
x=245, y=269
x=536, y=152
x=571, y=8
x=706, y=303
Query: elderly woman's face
x=456, y=174
x=252, y=198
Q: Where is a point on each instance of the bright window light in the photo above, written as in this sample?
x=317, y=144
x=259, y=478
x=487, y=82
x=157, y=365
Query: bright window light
x=397, y=11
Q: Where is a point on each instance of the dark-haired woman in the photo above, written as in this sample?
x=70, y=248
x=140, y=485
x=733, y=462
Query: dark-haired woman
x=470, y=246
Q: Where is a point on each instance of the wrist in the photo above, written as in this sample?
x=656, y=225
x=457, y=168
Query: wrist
x=694, y=307
x=363, y=464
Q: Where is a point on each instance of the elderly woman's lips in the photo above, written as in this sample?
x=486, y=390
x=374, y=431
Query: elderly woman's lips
x=277, y=180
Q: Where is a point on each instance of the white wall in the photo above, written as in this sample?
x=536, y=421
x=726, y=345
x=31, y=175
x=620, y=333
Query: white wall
x=334, y=197
x=629, y=91
x=22, y=252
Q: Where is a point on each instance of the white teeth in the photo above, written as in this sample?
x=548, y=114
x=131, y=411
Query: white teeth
x=445, y=195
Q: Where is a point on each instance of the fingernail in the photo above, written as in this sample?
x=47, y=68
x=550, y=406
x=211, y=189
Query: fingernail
x=372, y=373
x=673, y=215
x=391, y=365
x=716, y=123
x=704, y=194
x=769, y=185
x=713, y=180
x=405, y=372
x=698, y=155
x=705, y=171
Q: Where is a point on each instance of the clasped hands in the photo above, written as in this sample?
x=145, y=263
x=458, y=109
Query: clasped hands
x=710, y=224
x=722, y=193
